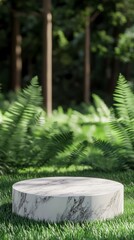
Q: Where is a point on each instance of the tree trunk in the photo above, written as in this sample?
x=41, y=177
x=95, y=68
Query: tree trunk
x=16, y=61
x=87, y=67
x=108, y=72
x=128, y=71
x=30, y=68
x=115, y=74
x=115, y=67
x=47, y=56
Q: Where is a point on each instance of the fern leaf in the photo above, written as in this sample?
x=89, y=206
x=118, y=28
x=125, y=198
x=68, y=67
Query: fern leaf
x=16, y=124
x=120, y=128
x=78, y=152
x=124, y=100
x=101, y=107
x=55, y=144
x=18, y=117
x=109, y=156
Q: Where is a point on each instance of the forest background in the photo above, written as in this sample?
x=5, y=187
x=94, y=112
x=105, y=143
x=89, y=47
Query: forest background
x=93, y=41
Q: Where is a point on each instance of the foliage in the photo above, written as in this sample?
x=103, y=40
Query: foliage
x=108, y=18
x=16, y=124
x=20, y=143
x=125, y=46
x=94, y=136
x=119, y=148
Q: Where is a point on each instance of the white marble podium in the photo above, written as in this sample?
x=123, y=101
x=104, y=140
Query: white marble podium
x=76, y=199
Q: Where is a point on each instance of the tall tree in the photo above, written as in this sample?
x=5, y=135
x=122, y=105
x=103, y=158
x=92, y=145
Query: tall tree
x=47, y=56
x=16, y=61
x=90, y=18
x=87, y=66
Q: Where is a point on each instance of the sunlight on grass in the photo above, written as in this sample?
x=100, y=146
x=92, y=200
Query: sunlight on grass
x=51, y=169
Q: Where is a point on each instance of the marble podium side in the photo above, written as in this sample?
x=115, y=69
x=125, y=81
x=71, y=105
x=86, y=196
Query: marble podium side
x=74, y=199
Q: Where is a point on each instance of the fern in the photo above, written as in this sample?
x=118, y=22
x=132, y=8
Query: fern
x=19, y=116
x=19, y=144
x=119, y=147
x=124, y=100
x=78, y=152
x=101, y=108
x=17, y=121
x=54, y=144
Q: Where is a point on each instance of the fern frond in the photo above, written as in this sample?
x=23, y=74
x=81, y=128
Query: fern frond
x=19, y=116
x=60, y=141
x=124, y=100
x=16, y=124
x=78, y=152
x=101, y=107
x=121, y=134
x=54, y=145
x=114, y=155
x=109, y=158
x=130, y=131
x=106, y=147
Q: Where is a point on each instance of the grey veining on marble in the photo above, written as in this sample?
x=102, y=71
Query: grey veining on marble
x=76, y=199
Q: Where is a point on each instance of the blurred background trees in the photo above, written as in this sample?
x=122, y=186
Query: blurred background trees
x=92, y=44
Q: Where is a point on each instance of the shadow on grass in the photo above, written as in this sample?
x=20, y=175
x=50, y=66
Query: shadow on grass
x=16, y=224
x=9, y=218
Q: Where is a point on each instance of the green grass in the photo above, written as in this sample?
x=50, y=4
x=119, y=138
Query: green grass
x=13, y=227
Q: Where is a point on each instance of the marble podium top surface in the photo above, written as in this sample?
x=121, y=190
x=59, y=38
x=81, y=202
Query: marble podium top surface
x=67, y=186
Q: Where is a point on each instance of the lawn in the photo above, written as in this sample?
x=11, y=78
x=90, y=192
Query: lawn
x=13, y=227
